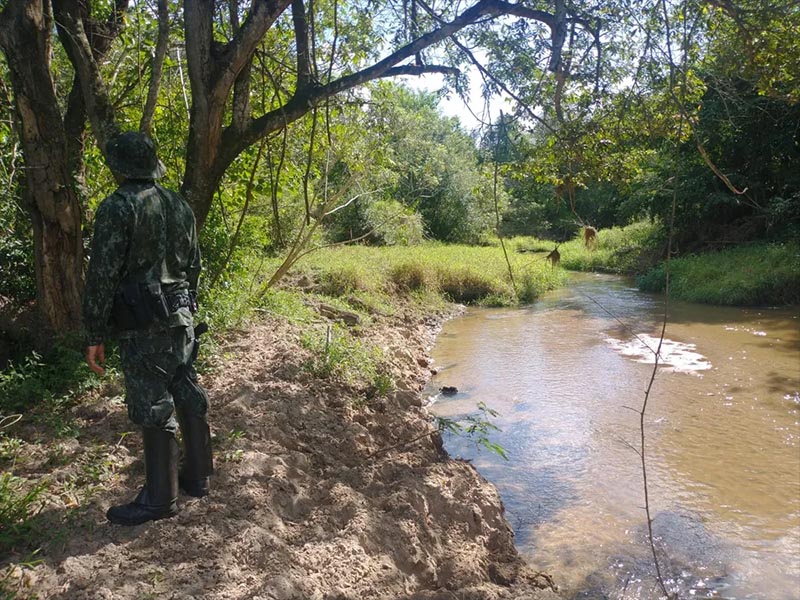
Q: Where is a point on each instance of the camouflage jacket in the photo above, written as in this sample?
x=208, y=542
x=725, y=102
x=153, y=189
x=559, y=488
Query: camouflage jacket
x=143, y=233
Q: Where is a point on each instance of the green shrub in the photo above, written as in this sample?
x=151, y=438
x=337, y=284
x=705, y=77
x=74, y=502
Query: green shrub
x=345, y=279
x=462, y=284
x=534, y=282
x=412, y=276
x=404, y=229
x=38, y=379
x=339, y=355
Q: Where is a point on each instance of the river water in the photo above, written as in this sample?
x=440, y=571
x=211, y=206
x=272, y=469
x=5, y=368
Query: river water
x=568, y=374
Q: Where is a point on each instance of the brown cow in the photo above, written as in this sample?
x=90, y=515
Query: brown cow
x=590, y=236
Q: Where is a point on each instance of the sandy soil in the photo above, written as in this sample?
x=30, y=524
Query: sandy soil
x=318, y=495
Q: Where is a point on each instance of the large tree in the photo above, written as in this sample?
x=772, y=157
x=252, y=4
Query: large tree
x=52, y=141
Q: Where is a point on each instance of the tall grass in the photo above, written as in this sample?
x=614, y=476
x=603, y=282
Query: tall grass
x=468, y=274
x=754, y=274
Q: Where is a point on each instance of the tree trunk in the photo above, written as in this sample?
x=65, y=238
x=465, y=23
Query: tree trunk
x=49, y=191
x=202, y=175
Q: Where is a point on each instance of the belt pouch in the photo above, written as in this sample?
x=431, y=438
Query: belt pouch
x=158, y=302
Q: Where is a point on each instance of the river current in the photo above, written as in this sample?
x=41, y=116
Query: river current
x=567, y=377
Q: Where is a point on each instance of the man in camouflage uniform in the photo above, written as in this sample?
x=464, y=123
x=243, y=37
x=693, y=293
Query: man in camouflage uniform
x=141, y=282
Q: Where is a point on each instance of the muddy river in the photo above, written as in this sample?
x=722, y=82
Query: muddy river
x=567, y=376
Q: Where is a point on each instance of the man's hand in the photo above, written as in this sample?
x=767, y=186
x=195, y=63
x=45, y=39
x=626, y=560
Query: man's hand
x=95, y=355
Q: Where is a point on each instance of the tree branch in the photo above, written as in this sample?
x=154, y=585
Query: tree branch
x=488, y=74
x=558, y=32
x=239, y=50
x=155, y=70
x=102, y=34
x=198, y=16
x=311, y=96
x=74, y=38
x=421, y=70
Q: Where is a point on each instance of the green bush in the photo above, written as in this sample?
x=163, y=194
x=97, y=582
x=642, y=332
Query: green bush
x=338, y=355
x=16, y=235
x=412, y=276
x=466, y=285
x=345, y=279
x=532, y=283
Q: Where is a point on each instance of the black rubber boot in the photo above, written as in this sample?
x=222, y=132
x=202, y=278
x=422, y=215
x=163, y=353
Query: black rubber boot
x=198, y=462
x=158, y=498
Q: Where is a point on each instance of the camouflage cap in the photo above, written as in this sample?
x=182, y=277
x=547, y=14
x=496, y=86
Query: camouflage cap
x=133, y=155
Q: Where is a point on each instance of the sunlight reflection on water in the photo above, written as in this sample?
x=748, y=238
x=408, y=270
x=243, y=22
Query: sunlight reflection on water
x=681, y=356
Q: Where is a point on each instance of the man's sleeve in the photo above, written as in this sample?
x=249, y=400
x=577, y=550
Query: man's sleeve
x=108, y=254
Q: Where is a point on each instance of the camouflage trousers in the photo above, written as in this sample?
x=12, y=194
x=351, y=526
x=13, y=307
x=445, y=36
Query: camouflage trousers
x=160, y=377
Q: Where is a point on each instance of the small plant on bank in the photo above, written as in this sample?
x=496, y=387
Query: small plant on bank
x=228, y=446
x=339, y=355
x=382, y=385
x=10, y=447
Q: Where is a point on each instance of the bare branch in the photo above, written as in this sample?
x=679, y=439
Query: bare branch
x=351, y=200
x=724, y=178
x=389, y=66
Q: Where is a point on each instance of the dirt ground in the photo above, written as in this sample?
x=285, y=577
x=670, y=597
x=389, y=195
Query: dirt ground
x=317, y=495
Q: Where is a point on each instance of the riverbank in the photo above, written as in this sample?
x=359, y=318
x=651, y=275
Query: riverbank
x=758, y=274
x=749, y=274
x=331, y=482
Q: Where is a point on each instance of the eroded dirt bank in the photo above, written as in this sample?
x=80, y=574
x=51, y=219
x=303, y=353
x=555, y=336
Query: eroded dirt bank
x=317, y=494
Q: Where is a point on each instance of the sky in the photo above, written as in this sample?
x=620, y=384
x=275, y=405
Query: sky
x=453, y=106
